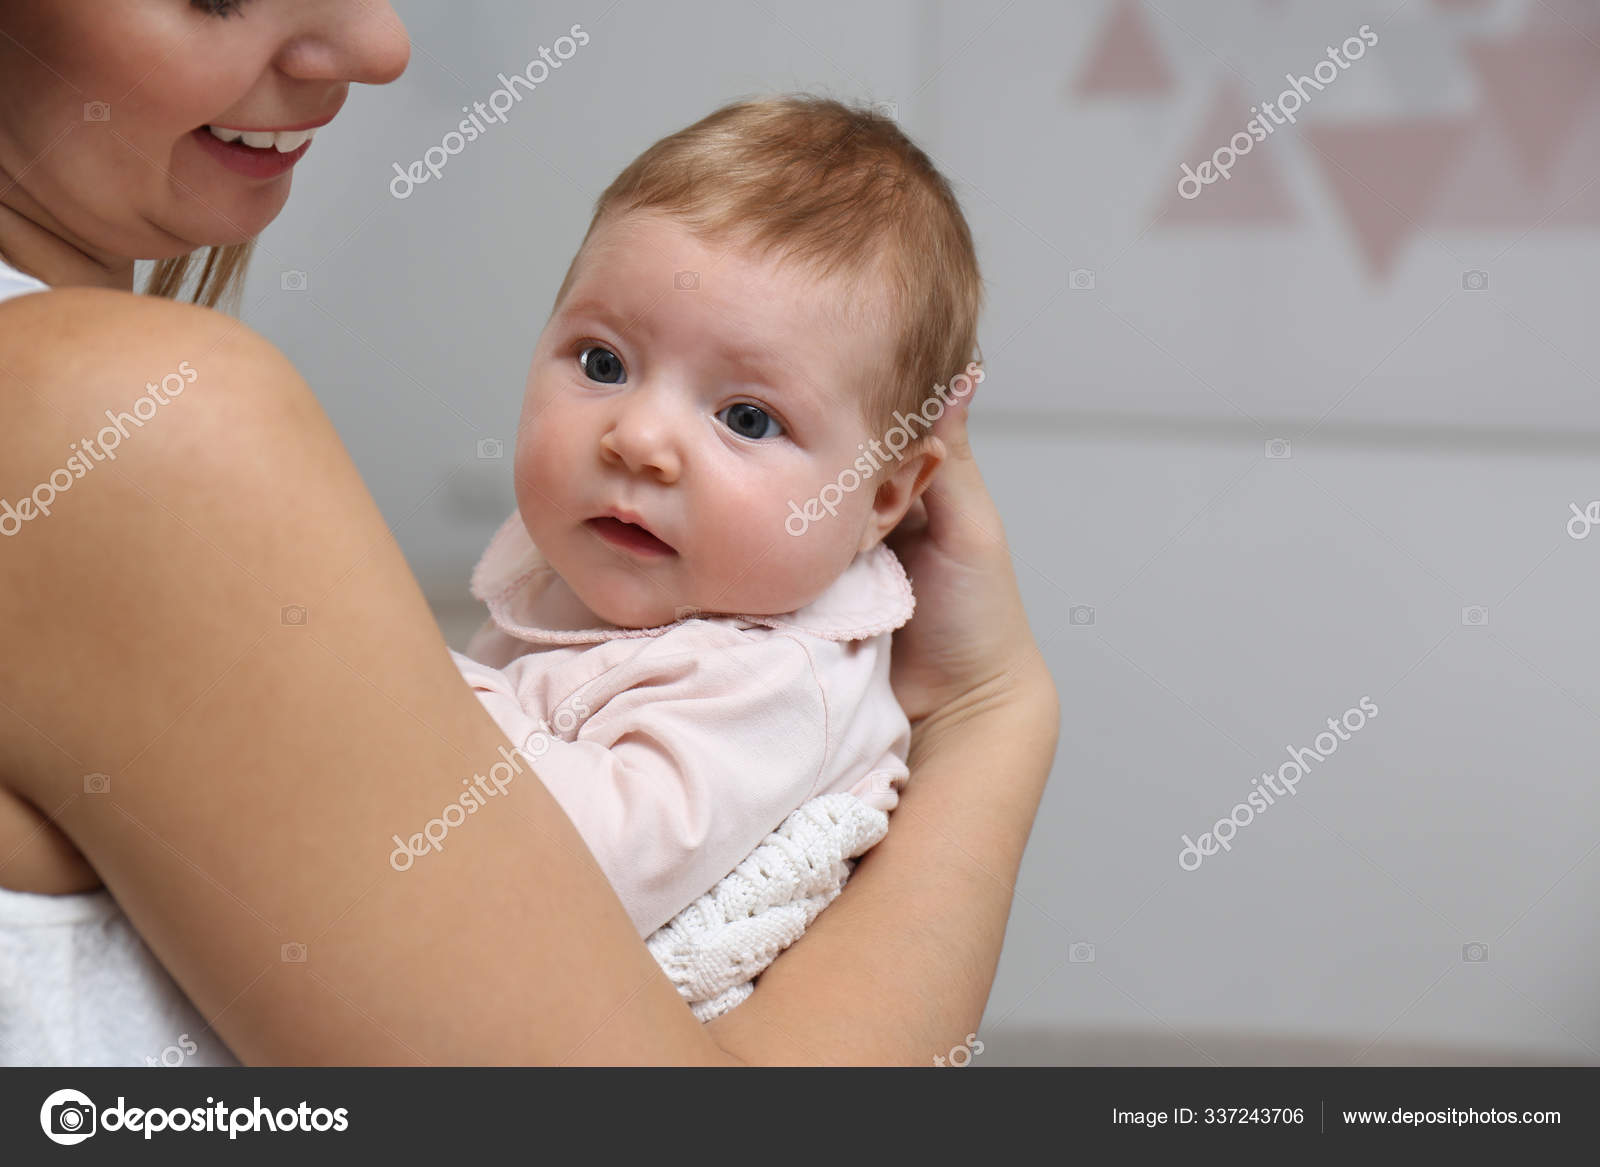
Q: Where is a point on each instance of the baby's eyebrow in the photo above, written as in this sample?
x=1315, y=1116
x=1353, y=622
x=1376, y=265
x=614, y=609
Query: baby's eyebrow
x=599, y=310
x=774, y=372
x=757, y=361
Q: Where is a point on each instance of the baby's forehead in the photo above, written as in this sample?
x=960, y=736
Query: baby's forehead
x=838, y=307
x=854, y=290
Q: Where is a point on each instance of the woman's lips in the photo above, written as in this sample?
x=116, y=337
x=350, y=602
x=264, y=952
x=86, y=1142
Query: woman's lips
x=630, y=537
x=247, y=160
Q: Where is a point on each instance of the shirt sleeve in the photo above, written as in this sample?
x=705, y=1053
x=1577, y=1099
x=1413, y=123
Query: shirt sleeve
x=677, y=761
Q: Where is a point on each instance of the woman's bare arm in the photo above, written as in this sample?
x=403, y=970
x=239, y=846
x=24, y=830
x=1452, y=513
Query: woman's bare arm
x=899, y=967
x=258, y=767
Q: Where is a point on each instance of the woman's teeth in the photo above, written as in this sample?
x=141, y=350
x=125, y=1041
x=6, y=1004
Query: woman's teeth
x=282, y=141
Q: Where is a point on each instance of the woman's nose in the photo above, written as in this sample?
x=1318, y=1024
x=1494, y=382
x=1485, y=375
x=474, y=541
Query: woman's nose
x=348, y=40
x=643, y=438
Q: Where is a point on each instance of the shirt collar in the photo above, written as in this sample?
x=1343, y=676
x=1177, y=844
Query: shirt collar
x=527, y=600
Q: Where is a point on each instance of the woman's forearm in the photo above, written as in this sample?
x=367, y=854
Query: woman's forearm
x=899, y=968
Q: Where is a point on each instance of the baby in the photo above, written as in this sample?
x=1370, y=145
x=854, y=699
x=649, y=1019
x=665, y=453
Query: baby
x=691, y=610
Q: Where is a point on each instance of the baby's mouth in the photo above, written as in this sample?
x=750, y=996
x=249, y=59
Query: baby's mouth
x=629, y=537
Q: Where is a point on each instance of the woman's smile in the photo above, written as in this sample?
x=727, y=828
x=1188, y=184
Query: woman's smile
x=252, y=160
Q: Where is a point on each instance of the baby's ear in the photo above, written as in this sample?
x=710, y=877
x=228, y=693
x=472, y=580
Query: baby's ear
x=906, y=481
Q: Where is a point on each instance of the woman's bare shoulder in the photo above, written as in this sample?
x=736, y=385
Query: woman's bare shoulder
x=65, y=334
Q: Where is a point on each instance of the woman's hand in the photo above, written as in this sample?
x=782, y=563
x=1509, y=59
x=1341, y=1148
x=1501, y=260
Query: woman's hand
x=969, y=641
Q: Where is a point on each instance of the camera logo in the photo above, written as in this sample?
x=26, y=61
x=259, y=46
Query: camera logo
x=1081, y=953
x=293, y=615
x=1080, y=615
x=686, y=280
x=96, y=111
x=1278, y=448
x=1474, y=953
x=1475, y=281
x=97, y=783
x=67, y=1117
x=490, y=449
x=1474, y=616
x=1081, y=279
x=292, y=281
x=292, y=953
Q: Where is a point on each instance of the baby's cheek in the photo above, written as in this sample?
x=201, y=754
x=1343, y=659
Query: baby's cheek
x=784, y=572
x=538, y=475
x=540, y=453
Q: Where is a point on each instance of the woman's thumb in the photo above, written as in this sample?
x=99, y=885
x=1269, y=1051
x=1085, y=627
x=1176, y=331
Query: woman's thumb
x=951, y=429
x=957, y=494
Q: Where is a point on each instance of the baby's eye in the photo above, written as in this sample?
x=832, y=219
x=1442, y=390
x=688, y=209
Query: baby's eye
x=602, y=365
x=750, y=421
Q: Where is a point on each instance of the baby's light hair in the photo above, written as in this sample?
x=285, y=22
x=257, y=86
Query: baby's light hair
x=841, y=190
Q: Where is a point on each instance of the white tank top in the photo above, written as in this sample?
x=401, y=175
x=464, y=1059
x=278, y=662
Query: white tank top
x=78, y=987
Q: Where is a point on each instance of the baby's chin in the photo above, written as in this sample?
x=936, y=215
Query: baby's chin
x=640, y=606
x=645, y=611
x=625, y=612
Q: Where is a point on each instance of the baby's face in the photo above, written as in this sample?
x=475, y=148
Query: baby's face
x=695, y=393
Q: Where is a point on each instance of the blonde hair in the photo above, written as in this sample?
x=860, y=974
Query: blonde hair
x=840, y=189
x=222, y=277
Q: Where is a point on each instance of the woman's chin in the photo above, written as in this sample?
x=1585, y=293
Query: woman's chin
x=231, y=217
x=245, y=226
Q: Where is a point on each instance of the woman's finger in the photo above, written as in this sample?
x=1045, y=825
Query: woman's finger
x=957, y=499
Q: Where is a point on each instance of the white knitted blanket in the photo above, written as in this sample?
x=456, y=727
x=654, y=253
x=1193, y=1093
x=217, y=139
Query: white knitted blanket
x=715, y=947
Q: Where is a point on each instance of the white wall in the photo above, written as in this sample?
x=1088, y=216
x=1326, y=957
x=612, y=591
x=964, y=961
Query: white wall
x=1437, y=435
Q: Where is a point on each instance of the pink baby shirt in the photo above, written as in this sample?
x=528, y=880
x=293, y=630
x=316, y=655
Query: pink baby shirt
x=675, y=750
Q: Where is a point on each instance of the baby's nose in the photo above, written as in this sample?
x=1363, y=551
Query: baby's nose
x=645, y=441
